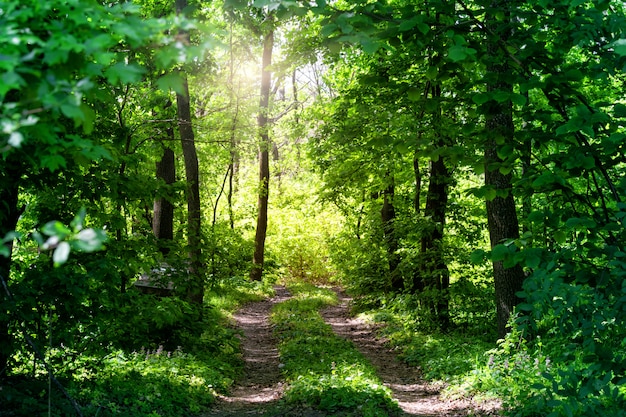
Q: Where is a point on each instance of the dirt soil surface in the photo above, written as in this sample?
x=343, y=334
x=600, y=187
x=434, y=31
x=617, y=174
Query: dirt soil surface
x=259, y=390
x=415, y=396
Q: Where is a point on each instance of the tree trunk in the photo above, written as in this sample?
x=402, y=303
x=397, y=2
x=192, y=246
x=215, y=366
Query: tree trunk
x=434, y=271
x=163, y=219
x=388, y=216
x=264, y=168
x=195, y=289
x=9, y=215
x=501, y=213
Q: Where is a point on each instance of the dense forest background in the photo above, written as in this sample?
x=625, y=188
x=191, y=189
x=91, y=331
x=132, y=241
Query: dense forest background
x=457, y=165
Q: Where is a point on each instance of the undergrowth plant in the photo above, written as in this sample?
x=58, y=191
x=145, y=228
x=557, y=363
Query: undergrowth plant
x=125, y=379
x=325, y=371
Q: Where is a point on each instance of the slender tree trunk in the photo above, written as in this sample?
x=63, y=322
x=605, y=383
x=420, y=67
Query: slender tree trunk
x=388, y=216
x=163, y=219
x=9, y=215
x=195, y=289
x=234, y=154
x=501, y=212
x=264, y=168
x=418, y=183
x=434, y=269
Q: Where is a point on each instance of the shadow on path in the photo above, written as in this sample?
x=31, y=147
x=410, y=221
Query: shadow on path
x=415, y=396
x=260, y=386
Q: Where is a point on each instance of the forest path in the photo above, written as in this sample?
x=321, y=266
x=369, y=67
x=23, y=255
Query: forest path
x=261, y=386
x=415, y=396
x=259, y=390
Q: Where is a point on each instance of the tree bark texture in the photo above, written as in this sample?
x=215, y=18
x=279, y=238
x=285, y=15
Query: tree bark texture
x=195, y=289
x=434, y=270
x=388, y=216
x=501, y=212
x=264, y=169
x=163, y=218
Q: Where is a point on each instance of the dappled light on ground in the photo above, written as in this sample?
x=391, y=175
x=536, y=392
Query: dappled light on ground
x=415, y=396
x=261, y=384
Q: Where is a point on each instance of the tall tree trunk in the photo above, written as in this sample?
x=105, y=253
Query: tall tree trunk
x=501, y=213
x=434, y=270
x=163, y=219
x=264, y=168
x=195, y=289
x=9, y=215
x=418, y=183
x=388, y=216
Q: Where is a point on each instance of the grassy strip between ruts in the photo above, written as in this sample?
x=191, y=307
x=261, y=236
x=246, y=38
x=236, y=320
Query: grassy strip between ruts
x=323, y=370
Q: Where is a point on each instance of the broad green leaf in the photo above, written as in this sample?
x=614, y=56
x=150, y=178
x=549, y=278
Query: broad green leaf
x=423, y=27
x=369, y=45
x=619, y=110
x=414, y=94
x=457, y=53
x=61, y=253
x=499, y=252
x=124, y=73
x=619, y=47
x=518, y=99
x=431, y=73
x=55, y=228
x=501, y=96
x=172, y=81
x=478, y=256
x=73, y=112
x=408, y=24
x=481, y=98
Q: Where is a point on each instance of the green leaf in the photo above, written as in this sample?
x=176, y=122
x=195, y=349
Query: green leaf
x=414, y=94
x=369, y=45
x=408, y=24
x=501, y=96
x=457, y=53
x=481, y=98
x=478, y=256
x=431, y=73
x=73, y=112
x=89, y=240
x=124, y=73
x=499, y=252
x=619, y=110
x=619, y=47
x=518, y=99
x=55, y=228
x=423, y=27
x=172, y=81
x=61, y=253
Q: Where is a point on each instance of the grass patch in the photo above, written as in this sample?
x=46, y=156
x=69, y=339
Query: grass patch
x=324, y=371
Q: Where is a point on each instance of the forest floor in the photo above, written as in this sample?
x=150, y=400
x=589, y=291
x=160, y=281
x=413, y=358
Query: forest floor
x=259, y=390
